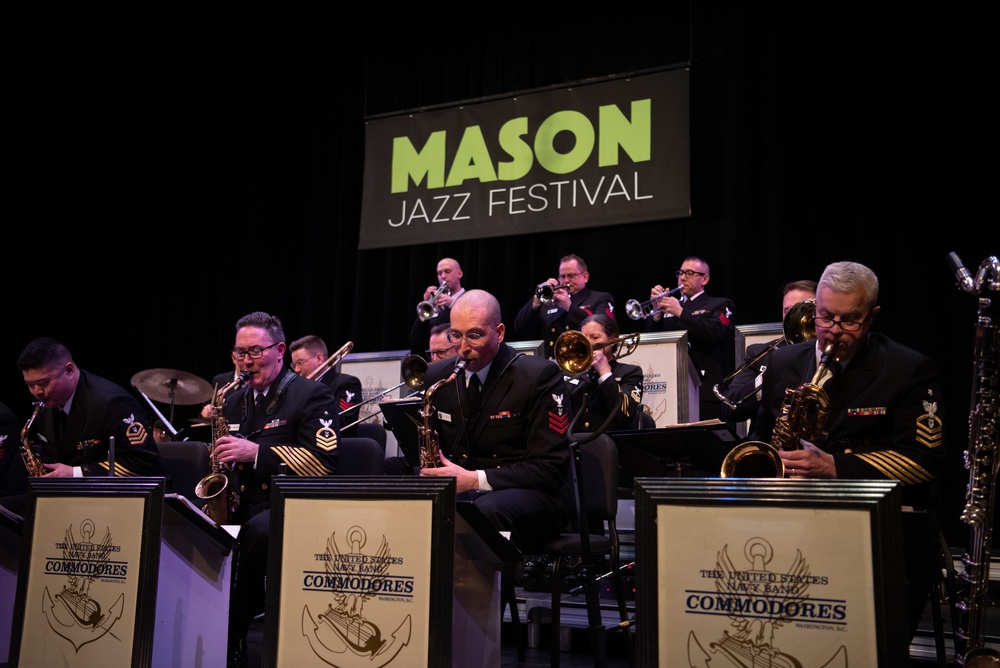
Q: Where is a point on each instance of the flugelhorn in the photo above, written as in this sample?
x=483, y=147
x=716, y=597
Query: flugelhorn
x=574, y=352
x=797, y=326
x=638, y=310
x=332, y=360
x=428, y=309
x=546, y=292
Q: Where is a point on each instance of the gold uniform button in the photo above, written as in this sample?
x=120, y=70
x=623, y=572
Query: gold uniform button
x=240, y=467
x=263, y=485
x=849, y=451
x=465, y=456
x=243, y=488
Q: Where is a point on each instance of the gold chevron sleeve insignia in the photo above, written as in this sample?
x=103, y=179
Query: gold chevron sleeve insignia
x=120, y=470
x=326, y=439
x=136, y=435
x=301, y=461
x=897, y=467
x=930, y=430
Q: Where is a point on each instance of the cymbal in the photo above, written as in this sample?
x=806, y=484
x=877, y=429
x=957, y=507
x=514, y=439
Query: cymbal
x=170, y=386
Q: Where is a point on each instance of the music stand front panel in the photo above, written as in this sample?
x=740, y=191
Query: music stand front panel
x=360, y=571
x=87, y=584
x=668, y=392
x=808, y=574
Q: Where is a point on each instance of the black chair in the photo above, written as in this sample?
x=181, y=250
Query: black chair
x=593, y=482
x=372, y=430
x=360, y=456
x=184, y=464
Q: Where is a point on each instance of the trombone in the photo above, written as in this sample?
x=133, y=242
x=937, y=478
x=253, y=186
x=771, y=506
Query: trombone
x=574, y=352
x=428, y=309
x=413, y=368
x=797, y=326
x=332, y=360
x=546, y=293
x=638, y=310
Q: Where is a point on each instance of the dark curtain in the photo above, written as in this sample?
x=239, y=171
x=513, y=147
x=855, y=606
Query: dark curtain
x=170, y=169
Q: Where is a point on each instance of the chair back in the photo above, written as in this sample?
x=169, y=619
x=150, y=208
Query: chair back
x=372, y=430
x=360, y=456
x=599, y=478
x=184, y=464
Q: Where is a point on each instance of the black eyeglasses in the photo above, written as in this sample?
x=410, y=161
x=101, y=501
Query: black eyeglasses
x=567, y=277
x=846, y=325
x=441, y=353
x=255, y=353
x=689, y=273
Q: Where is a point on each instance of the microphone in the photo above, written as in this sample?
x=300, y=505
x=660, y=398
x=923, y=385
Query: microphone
x=965, y=282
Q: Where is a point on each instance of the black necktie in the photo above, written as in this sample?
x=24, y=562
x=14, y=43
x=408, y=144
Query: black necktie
x=60, y=426
x=474, y=392
x=259, y=405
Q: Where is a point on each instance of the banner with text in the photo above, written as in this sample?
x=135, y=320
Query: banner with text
x=587, y=155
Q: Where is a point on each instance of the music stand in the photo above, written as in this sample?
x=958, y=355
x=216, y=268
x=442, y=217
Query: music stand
x=694, y=450
x=402, y=418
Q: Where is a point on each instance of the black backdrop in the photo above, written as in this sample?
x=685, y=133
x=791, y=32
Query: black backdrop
x=171, y=169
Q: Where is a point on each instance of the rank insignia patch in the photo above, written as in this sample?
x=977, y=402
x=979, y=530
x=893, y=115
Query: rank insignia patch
x=326, y=438
x=135, y=431
x=558, y=419
x=930, y=430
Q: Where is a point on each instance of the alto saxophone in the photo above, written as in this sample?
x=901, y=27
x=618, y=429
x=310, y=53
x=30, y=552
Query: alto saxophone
x=32, y=462
x=427, y=437
x=803, y=415
x=221, y=502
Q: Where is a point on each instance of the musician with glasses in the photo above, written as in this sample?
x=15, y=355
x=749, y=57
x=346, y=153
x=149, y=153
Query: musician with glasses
x=506, y=444
x=438, y=345
x=277, y=418
x=886, y=411
x=449, y=275
x=572, y=301
x=709, y=324
x=308, y=353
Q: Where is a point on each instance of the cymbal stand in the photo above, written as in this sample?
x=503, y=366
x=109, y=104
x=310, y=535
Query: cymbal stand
x=165, y=421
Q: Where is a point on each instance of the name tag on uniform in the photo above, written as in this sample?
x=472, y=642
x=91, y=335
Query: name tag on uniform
x=571, y=381
x=444, y=417
x=552, y=310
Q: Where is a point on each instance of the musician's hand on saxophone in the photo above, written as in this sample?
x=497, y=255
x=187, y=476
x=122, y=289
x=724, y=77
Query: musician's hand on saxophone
x=809, y=462
x=465, y=480
x=232, y=448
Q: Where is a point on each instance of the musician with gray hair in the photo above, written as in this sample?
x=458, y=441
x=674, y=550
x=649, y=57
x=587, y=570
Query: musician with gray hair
x=885, y=417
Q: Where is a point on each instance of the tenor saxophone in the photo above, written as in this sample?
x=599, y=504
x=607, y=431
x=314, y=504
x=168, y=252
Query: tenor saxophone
x=221, y=502
x=31, y=460
x=427, y=437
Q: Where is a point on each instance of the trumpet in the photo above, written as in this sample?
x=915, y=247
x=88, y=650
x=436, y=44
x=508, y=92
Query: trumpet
x=332, y=360
x=546, y=293
x=797, y=326
x=575, y=354
x=638, y=310
x=428, y=309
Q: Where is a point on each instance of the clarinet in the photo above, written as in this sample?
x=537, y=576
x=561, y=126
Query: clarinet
x=982, y=461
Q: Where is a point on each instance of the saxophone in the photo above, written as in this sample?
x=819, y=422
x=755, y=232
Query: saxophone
x=32, y=462
x=982, y=460
x=221, y=502
x=427, y=438
x=803, y=416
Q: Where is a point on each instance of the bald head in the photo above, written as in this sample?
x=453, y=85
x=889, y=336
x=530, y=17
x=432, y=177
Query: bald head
x=477, y=313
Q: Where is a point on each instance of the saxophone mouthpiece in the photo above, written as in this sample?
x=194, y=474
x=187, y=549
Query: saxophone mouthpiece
x=460, y=365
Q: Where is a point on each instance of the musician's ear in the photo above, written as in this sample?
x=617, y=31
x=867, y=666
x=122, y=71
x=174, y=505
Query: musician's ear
x=500, y=332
